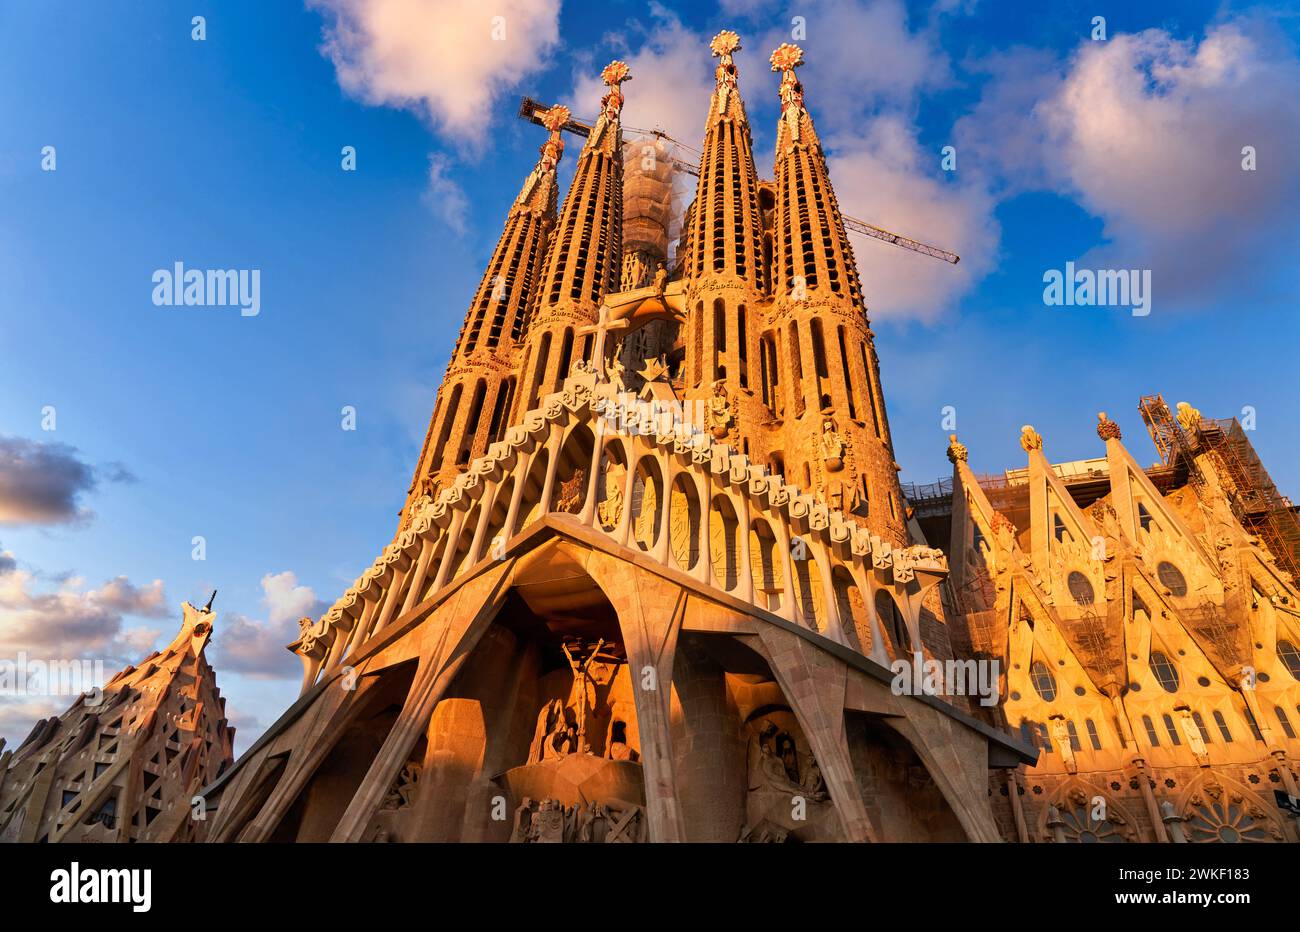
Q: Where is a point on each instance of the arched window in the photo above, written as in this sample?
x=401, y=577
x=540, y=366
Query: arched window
x=1074, y=735
x=1224, y=823
x=1200, y=726
x=1290, y=657
x=1171, y=577
x=892, y=620
x=1044, y=682
x=1254, y=725
x=1284, y=721
x=1152, y=735
x=1173, y=730
x=1080, y=588
x=1092, y=734
x=1223, y=726
x=1166, y=673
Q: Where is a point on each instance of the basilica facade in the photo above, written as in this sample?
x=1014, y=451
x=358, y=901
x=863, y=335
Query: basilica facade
x=655, y=577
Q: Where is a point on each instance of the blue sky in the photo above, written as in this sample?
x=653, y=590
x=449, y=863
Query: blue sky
x=177, y=422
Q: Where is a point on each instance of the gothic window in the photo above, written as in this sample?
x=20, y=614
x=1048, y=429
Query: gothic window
x=892, y=620
x=871, y=394
x=848, y=374
x=1058, y=529
x=1173, y=730
x=1200, y=726
x=796, y=369
x=1171, y=577
x=1166, y=673
x=742, y=347
x=1213, y=822
x=1254, y=725
x=977, y=538
x=1152, y=735
x=1290, y=657
x=1080, y=828
x=1074, y=735
x=1095, y=738
x=1028, y=734
x=1080, y=587
x=1284, y=721
x=501, y=410
x=1045, y=737
x=1144, y=517
x=719, y=338
x=1044, y=682
x=1223, y=726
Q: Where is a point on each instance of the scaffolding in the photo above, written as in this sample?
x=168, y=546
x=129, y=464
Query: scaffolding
x=1254, y=498
x=1261, y=508
x=1171, y=440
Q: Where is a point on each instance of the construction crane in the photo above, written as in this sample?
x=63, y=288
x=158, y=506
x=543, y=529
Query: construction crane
x=530, y=109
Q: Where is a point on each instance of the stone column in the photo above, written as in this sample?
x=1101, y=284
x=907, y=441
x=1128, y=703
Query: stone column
x=650, y=612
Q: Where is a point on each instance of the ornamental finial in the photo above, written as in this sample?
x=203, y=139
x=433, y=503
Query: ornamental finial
x=957, y=452
x=787, y=57
x=1106, y=428
x=724, y=43
x=556, y=117
x=615, y=73
x=1030, y=439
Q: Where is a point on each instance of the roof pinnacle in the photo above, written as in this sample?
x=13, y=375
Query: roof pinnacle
x=1106, y=428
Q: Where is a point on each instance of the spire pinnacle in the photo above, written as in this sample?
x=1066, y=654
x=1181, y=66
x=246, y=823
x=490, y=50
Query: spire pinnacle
x=611, y=105
x=551, y=151
x=723, y=44
x=785, y=59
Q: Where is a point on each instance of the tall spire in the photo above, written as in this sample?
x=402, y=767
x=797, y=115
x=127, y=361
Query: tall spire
x=833, y=388
x=477, y=392
x=813, y=250
x=728, y=229
x=584, y=260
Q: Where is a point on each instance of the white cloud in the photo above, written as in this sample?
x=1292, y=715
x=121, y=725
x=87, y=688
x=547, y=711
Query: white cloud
x=256, y=647
x=1150, y=131
x=1145, y=131
x=861, y=58
x=672, y=78
x=69, y=623
x=438, y=57
x=74, y=622
x=444, y=196
x=886, y=179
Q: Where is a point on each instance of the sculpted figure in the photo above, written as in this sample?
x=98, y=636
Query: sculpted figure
x=832, y=446
x=718, y=410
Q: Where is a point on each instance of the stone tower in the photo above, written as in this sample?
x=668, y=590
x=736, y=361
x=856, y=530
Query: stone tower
x=584, y=262
x=726, y=278
x=125, y=767
x=834, y=435
x=477, y=393
x=616, y=622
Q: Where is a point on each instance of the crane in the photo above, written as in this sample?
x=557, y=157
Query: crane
x=530, y=109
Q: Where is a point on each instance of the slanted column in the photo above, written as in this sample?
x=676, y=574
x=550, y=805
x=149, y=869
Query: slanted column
x=813, y=683
x=420, y=574
x=650, y=611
